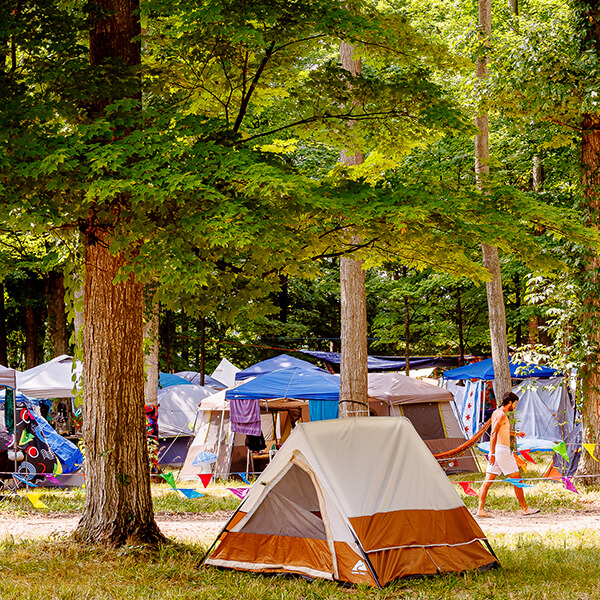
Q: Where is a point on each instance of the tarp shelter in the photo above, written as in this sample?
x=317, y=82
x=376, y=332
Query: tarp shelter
x=283, y=361
x=57, y=378
x=429, y=409
x=484, y=369
x=358, y=500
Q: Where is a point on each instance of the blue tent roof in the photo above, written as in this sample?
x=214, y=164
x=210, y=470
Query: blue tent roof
x=169, y=379
x=485, y=370
x=283, y=361
x=295, y=383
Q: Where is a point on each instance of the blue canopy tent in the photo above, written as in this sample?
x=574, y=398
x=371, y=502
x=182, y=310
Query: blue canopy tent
x=485, y=370
x=283, y=361
x=321, y=389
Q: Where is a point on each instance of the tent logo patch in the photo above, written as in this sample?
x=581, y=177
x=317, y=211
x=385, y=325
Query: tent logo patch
x=359, y=568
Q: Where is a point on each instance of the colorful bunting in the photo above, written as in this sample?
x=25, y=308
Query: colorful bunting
x=525, y=454
x=561, y=448
x=569, y=485
x=591, y=449
x=517, y=482
x=168, y=477
x=205, y=478
x=553, y=473
x=467, y=489
x=189, y=493
x=34, y=498
x=50, y=477
x=520, y=462
x=243, y=477
x=241, y=493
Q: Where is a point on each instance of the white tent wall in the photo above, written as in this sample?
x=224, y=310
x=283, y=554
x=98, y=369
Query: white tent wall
x=544, y=410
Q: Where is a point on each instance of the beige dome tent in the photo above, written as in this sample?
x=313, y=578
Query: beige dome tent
x=428, y=407
x=357, y=500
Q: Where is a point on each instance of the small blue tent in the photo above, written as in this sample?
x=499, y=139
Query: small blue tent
x=169, y=379
x=283, y=361
x=485, y=370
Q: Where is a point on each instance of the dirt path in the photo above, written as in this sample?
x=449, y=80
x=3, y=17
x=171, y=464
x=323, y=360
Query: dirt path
x=205, y=527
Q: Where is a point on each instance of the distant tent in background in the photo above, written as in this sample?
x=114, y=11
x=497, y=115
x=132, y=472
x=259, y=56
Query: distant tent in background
x=359, y=500
x=195, y=377
x=283, y=361
x=429, y=409
x=57, y=378
x=179, y=416
x=544, y=407
x=166, y=380
x=226, y=372
x=8, y=377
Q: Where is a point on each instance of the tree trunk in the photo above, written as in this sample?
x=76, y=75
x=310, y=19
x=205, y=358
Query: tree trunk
x=118, y=503
x=461, y=335
x=3, y=343
x=406, y=328
x=151, y=353
x=31, y=336
x=57, y=318
x=491, y=260
x=590, y=162
x=353, y=300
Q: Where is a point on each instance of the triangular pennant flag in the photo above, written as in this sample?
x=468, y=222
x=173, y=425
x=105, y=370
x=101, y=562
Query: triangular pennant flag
x=189, y=493
x=561, y=448
x=25, y=437
x=34, y=498
x=520, y=462
x=23, y=480
x=243, y=477
x=57, y=468
x=205, y=478
x=467, y=489
x=569, y=485
x=170, y=479
x=553, y=473
x=51, y=478
x=517, y=482
x=241, y=493
x=591, y=449
x=525, y=454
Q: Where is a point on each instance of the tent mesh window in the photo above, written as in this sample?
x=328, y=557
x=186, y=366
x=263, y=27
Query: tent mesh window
x=291, y=508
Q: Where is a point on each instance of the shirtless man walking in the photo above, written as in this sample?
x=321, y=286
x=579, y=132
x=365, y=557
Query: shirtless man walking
x=501, y=459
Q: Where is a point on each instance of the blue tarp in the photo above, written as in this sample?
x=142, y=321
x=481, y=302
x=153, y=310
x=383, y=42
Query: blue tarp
x=388, y=363
x=283, y=361
x=296, y=384
x=485, y=370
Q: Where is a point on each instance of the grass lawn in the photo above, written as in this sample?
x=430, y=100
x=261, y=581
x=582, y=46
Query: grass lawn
x=553, y=566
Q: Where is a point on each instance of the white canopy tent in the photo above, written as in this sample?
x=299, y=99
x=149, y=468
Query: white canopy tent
x=57, y=378
x=8, y=377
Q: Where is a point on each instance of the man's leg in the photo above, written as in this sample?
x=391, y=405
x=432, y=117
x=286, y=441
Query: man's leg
x=489, y=478
x=520, y=494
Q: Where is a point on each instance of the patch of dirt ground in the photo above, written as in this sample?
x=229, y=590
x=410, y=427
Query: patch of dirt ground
x=204, y=528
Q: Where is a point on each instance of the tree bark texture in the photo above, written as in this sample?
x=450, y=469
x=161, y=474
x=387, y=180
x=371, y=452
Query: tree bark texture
x=57, y=318
x=353, y=301
x=591, y=371
x=32, y=345
x=118, y=503
x=491, y=261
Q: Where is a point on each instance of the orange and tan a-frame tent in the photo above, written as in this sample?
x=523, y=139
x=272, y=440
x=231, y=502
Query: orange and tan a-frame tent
x=357, y=500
